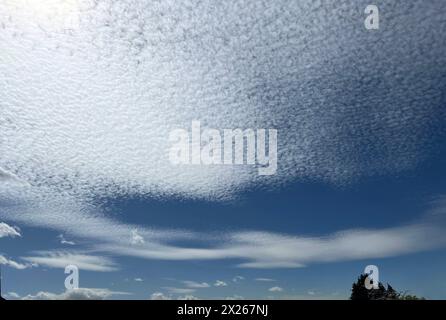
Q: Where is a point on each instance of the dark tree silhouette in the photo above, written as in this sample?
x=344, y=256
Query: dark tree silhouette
x=360, y=292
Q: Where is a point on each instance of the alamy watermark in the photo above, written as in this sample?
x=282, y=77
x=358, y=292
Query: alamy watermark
x=225, y=147
x=72, y=280
x=372, y=279
x=371, y=22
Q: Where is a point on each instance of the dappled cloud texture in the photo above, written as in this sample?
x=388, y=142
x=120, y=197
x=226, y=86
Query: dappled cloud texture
x=89, y=91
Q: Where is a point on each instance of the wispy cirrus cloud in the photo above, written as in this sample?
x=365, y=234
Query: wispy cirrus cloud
x=61, y=259
x=8, y=231
x=264, y=279
x=13, y=264
x=254, y=249
x=265, y=250
x=62, y=240
x=275, y=289
x=220, y=283
x=196, y=285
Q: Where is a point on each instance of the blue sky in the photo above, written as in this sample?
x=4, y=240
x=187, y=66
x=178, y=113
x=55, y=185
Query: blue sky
x=307, y=209
x=85, y=178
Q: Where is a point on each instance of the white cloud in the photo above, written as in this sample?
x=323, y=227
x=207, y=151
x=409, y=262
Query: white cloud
x=272, y=250
x=75, y=294
x=275, y=289
x=12, y=295
x=61, y=259
x=138, y=280
x=195, y=285
x=13, y=264
x=67, y=152
x=65, y=241
x=238, y=278
x=66, y=215
x=159, y=296
x=136, y=238
x=8, y=231
x=121, y=144
x=7, y=176
x=220, y=283
x=264, y=279
x=59, y=155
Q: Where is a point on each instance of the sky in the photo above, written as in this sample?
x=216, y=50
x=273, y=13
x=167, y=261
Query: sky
x=91, y=92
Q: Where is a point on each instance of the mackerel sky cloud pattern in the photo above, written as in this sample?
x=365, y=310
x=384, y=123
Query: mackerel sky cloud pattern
x=86, y=107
